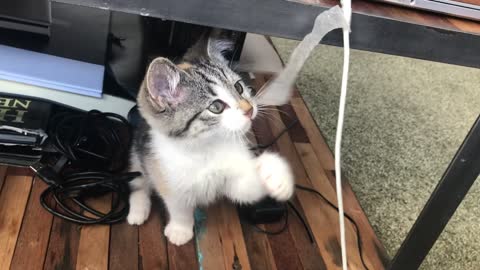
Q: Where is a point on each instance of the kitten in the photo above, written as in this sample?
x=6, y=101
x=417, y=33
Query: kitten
x=190, y=144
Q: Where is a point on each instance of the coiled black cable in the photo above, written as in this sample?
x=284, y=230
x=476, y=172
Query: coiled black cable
x=93, y=150
x=75, y=188
x=93, y=140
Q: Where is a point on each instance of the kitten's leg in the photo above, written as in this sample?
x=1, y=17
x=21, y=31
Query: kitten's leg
x=276, y=176
x=140, y=201
x=179, y=229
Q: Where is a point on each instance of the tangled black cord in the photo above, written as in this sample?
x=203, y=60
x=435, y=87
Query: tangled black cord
x=355, y=225
x=92, y=138
x=275, y=139
x=93, y=156
x=70, y=196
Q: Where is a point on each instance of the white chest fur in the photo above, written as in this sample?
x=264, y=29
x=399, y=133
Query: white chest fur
x=197, y=173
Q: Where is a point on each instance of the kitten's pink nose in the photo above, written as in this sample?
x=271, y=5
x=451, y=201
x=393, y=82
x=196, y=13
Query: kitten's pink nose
x=249, y=113
x=246, y=107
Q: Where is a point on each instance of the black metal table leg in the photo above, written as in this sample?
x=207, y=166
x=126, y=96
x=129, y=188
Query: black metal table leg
x=449, y=193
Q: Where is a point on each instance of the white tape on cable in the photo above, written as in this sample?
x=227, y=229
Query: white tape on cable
x=279, y=90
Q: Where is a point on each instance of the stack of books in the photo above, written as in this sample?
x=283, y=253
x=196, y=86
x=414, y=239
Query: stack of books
x=50, y=54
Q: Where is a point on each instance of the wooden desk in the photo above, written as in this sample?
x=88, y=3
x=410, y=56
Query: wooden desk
x=376, y=27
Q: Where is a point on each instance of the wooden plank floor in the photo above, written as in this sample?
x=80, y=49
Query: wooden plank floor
x=30, y=238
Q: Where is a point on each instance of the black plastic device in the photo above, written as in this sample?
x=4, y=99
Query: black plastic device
x=266, y=211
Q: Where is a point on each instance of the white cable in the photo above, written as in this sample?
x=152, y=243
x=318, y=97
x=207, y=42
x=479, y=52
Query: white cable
x=278, y=92
x=347, y=11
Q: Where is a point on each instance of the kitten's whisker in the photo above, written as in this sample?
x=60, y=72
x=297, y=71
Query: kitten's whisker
x=237, y=137
x=270, y=119
x=240, y=138
x=234, y=66
x=275, y=120
x=258, y=94
x=272, y=108
x=233, y=56
x=266, y=111
x=259, y=136
x=234, y=137
x=265, y=114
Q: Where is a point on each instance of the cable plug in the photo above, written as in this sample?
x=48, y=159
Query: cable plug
x=46, y=173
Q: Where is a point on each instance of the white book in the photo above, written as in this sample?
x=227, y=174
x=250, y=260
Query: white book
x=107, y=103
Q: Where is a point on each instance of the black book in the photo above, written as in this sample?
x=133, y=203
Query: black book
x=22, y=156
x=23, y=122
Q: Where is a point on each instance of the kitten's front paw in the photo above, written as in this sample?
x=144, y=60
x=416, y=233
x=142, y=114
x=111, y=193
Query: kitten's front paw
x=178, y=234
x=276, y=176
x=136, y=218
x=139, y=208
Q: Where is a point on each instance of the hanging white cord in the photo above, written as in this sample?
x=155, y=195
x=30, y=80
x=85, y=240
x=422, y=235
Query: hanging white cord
x=347, y=11
x=279, y=91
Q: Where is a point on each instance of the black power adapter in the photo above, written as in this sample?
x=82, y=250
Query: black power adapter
x=267, y=210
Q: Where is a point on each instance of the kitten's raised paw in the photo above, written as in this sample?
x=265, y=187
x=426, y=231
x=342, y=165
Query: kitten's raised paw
x=276, y=176
x=178, y=234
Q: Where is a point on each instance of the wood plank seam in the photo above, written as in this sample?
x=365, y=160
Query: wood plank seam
x=34, y=236
x=93, y=247
x=13, y=199
x=3, y=175
x=153, y=252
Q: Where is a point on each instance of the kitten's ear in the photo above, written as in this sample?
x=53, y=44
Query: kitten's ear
x=162, y=83
x=219, y=44
x=212, y=44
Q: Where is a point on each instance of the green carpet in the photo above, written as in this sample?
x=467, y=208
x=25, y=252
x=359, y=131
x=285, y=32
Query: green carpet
x=405, y=119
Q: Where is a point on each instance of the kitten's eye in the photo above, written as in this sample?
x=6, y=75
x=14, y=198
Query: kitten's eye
x=239, y=87
x=217, y=106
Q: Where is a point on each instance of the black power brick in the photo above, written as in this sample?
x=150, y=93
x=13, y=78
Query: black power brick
x=266, y=211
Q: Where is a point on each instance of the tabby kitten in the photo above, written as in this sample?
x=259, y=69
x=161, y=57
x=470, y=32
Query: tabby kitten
x=190, y=144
